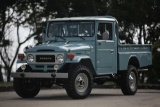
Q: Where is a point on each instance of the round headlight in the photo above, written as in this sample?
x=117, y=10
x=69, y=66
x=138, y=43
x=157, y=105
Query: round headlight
x=60, y=58
x=30, y=58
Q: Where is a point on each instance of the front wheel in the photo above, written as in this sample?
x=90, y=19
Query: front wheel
x=26, y=88
x=79, y=83
x=129, y=81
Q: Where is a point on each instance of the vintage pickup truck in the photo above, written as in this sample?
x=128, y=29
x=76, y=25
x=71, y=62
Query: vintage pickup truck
x=77, y=52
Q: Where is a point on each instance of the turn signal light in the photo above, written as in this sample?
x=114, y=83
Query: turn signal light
x=20, y=56
x=71, y=56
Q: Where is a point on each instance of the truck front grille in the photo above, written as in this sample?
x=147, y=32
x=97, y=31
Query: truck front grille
x=45, y=58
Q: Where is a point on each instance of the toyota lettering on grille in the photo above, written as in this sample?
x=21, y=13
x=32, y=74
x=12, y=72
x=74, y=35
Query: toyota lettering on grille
x=45, y=58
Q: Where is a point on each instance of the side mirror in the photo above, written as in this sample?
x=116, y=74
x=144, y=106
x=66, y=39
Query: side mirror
x=44, y=31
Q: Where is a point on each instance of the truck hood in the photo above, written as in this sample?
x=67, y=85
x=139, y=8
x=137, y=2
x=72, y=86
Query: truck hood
x=73, y=46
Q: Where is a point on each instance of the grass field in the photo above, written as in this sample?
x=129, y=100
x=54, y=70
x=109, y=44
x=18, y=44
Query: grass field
x=6, y=84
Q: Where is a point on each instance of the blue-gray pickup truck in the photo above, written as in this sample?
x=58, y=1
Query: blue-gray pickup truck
x=76, y=53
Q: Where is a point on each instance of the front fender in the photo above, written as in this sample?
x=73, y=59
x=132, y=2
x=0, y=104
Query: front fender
x=22, y=61
x=77, y=59
x=83, y=60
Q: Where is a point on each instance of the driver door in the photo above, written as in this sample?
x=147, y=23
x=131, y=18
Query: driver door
x=106, y=50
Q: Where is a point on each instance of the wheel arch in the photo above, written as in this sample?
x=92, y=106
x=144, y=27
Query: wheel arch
x=88, y=63
x=84, y=61
x=133, y=60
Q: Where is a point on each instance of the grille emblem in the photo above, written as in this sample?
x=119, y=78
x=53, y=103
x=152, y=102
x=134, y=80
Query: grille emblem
x=45, y=58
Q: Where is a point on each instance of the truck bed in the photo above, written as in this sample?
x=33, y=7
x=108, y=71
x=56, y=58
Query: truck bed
x=143, y=53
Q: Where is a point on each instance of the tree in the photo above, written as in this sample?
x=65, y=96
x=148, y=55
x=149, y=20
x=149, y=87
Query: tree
x=84, y=8
x=138, y=17
x=57, y=8
x=153, y=22
x=135, y=17
x=1, y=76
x=5, y=18
x=16, y=14
x=154, y=74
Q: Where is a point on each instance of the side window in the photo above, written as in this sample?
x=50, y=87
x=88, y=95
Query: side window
x=104, y=31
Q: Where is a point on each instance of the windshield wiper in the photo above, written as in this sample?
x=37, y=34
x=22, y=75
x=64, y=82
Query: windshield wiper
x=48, y=42
x=60, y=37
x=81, y=37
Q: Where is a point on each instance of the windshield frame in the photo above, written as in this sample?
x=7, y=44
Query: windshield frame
x=68, y=23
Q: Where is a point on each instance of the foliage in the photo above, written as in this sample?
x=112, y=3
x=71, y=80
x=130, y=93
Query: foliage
x=156, y=55
x=12, y=13
x=3, y=84
x=153, y=74
x=136, y=18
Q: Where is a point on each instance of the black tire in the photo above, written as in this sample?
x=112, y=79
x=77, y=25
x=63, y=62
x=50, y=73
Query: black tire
x=26, y=88
x=129, y=81
x=79, y=84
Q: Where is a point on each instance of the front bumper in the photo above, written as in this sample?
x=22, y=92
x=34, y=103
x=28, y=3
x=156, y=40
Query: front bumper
x=38, y=75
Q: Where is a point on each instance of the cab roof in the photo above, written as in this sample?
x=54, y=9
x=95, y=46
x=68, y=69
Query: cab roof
x=92, y=18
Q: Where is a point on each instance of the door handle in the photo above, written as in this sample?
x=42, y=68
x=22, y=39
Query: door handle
x=112, y=50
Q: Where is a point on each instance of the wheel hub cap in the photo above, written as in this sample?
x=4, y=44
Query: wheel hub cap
x=132, y=81
x=81, y=82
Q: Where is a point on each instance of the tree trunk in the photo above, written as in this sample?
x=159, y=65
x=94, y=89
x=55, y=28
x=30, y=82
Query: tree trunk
x=8, y=74
x=140, y=35
x=1, y=75
x=144, y=35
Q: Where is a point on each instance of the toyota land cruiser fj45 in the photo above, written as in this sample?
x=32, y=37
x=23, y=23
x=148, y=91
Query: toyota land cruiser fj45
x=77, y=52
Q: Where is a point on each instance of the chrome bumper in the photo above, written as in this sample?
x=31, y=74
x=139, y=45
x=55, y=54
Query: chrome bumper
x=38, y=75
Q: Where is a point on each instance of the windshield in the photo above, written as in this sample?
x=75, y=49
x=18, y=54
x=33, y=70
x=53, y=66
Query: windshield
x=71, y=28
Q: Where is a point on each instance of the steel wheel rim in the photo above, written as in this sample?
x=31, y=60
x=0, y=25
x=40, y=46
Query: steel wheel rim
x=132, y=81
x=81, y=83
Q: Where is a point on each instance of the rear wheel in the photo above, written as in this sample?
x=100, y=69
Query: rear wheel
x=79, y=83
x=129, y=81
x=26, y=88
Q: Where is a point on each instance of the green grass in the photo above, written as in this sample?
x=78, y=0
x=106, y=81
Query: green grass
x=6, y=84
